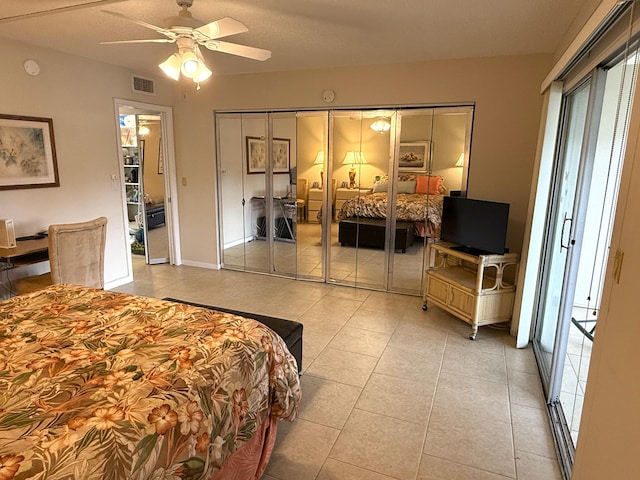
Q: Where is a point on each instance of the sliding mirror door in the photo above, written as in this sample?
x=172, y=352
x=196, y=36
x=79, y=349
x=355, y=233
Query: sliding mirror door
x=243, y=191
x=359, y=157
x=282, y=165
x=308, y=174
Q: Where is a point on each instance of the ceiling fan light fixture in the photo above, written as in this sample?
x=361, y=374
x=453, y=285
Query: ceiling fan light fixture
x=381, y=125
x=171, y=66
x=190, y=64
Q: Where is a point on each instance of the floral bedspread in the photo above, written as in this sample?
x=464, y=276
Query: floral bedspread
x=103, y=385
x=410, y=207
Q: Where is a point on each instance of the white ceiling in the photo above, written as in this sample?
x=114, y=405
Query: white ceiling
x=302, y=34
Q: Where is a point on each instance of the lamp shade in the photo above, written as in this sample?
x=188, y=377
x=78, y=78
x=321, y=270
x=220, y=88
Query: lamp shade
x=354, y=158
x=460, y=161
x=171, y=66
x=319, y=158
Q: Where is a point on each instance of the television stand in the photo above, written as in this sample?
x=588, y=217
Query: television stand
x=471, y=287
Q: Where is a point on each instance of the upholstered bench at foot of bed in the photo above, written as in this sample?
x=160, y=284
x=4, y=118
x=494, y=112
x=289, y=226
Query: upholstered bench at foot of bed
x=370, y=232
x=288, y=330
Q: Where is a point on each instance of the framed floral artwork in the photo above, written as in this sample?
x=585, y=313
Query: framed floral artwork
x=414, y=157
x=257, y=158
x=27, y=153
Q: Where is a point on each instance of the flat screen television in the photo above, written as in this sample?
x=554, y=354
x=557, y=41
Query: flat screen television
x=479, y=227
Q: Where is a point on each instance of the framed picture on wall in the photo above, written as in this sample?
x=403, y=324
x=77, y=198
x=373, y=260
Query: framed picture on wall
x=257, y=158
x=414, y=157
x=160, y=157
x=27, y=153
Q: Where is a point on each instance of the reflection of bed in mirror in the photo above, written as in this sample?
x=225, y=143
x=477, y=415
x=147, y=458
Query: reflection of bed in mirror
x=419, y=201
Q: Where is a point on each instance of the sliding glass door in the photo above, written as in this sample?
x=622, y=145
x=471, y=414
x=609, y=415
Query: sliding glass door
x=580, y=220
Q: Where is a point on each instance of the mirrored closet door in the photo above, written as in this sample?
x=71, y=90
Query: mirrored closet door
x=348, y=196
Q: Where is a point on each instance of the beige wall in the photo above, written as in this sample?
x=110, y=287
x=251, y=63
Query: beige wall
x=78, y=94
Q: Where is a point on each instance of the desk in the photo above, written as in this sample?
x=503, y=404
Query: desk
x=26, y=252
x=284, y=229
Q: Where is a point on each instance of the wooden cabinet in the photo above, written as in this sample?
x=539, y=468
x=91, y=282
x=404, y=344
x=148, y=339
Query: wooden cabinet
x=344, y=194
x=479, y=289
x=315, y=204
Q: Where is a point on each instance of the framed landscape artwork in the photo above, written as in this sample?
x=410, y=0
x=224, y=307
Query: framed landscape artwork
x=257, y=158
x=414, y=157
x=27, y=153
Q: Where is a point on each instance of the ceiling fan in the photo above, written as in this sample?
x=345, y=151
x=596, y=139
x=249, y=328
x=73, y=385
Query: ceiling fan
x=189, y=33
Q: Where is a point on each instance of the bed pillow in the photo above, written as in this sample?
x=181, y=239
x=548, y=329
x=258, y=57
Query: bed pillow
x=430, y=185
x=408, y=186
x=380, y=186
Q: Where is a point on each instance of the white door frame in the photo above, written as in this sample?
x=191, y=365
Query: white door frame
x=170, y=185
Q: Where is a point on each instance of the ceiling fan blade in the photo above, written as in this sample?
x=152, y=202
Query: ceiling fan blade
x=152, y=40
x=222, y=28
x=161, y=30
x=51, y=11
x=240, y=50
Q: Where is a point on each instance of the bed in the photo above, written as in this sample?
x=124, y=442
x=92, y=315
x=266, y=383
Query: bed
x=104, y=385
x=418, y=201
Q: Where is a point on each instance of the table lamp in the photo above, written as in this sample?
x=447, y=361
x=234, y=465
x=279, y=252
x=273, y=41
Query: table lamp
x=353, y=158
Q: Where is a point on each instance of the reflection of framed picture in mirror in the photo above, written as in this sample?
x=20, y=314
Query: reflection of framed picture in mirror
x=257, y=158
x=414, y=157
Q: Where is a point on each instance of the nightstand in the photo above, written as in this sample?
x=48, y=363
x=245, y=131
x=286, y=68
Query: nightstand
x=315, y=204
x=344, y=194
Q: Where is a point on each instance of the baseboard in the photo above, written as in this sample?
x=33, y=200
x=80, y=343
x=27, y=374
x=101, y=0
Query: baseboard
x=193, y=263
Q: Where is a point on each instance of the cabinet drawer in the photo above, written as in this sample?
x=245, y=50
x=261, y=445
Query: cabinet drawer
x=437, y=289
x=461, y=301
x=315, y=205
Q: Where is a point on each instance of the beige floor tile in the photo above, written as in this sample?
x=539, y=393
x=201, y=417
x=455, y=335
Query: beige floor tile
x=326, y=402
x=414, y=366
x=377, y=321
x=356, y=340
x=467, y=360
x=314, y=340
x=412, y=337
x=382, y=444
x=531, y=431
x=335, y=470
x=526, y=389
x=434, y=468
x=535, y=467
x=398, y=398
x=521, y=360
x=301, y=449
x=342, y=367
x=463, y=393
x=463, y=437
x=328, y=324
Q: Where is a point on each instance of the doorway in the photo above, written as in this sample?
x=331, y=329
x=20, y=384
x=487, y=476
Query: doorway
x=146, y=151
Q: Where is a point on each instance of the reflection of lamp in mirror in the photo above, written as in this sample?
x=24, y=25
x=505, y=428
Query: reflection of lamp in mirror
x=320, y=161
x=353, y=158
x=460, y=162
x=381, y=125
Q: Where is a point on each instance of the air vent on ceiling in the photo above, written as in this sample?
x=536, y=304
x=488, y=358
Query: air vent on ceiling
x=143, y=85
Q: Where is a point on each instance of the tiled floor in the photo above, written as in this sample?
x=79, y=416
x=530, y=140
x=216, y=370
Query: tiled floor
x=389, y=391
